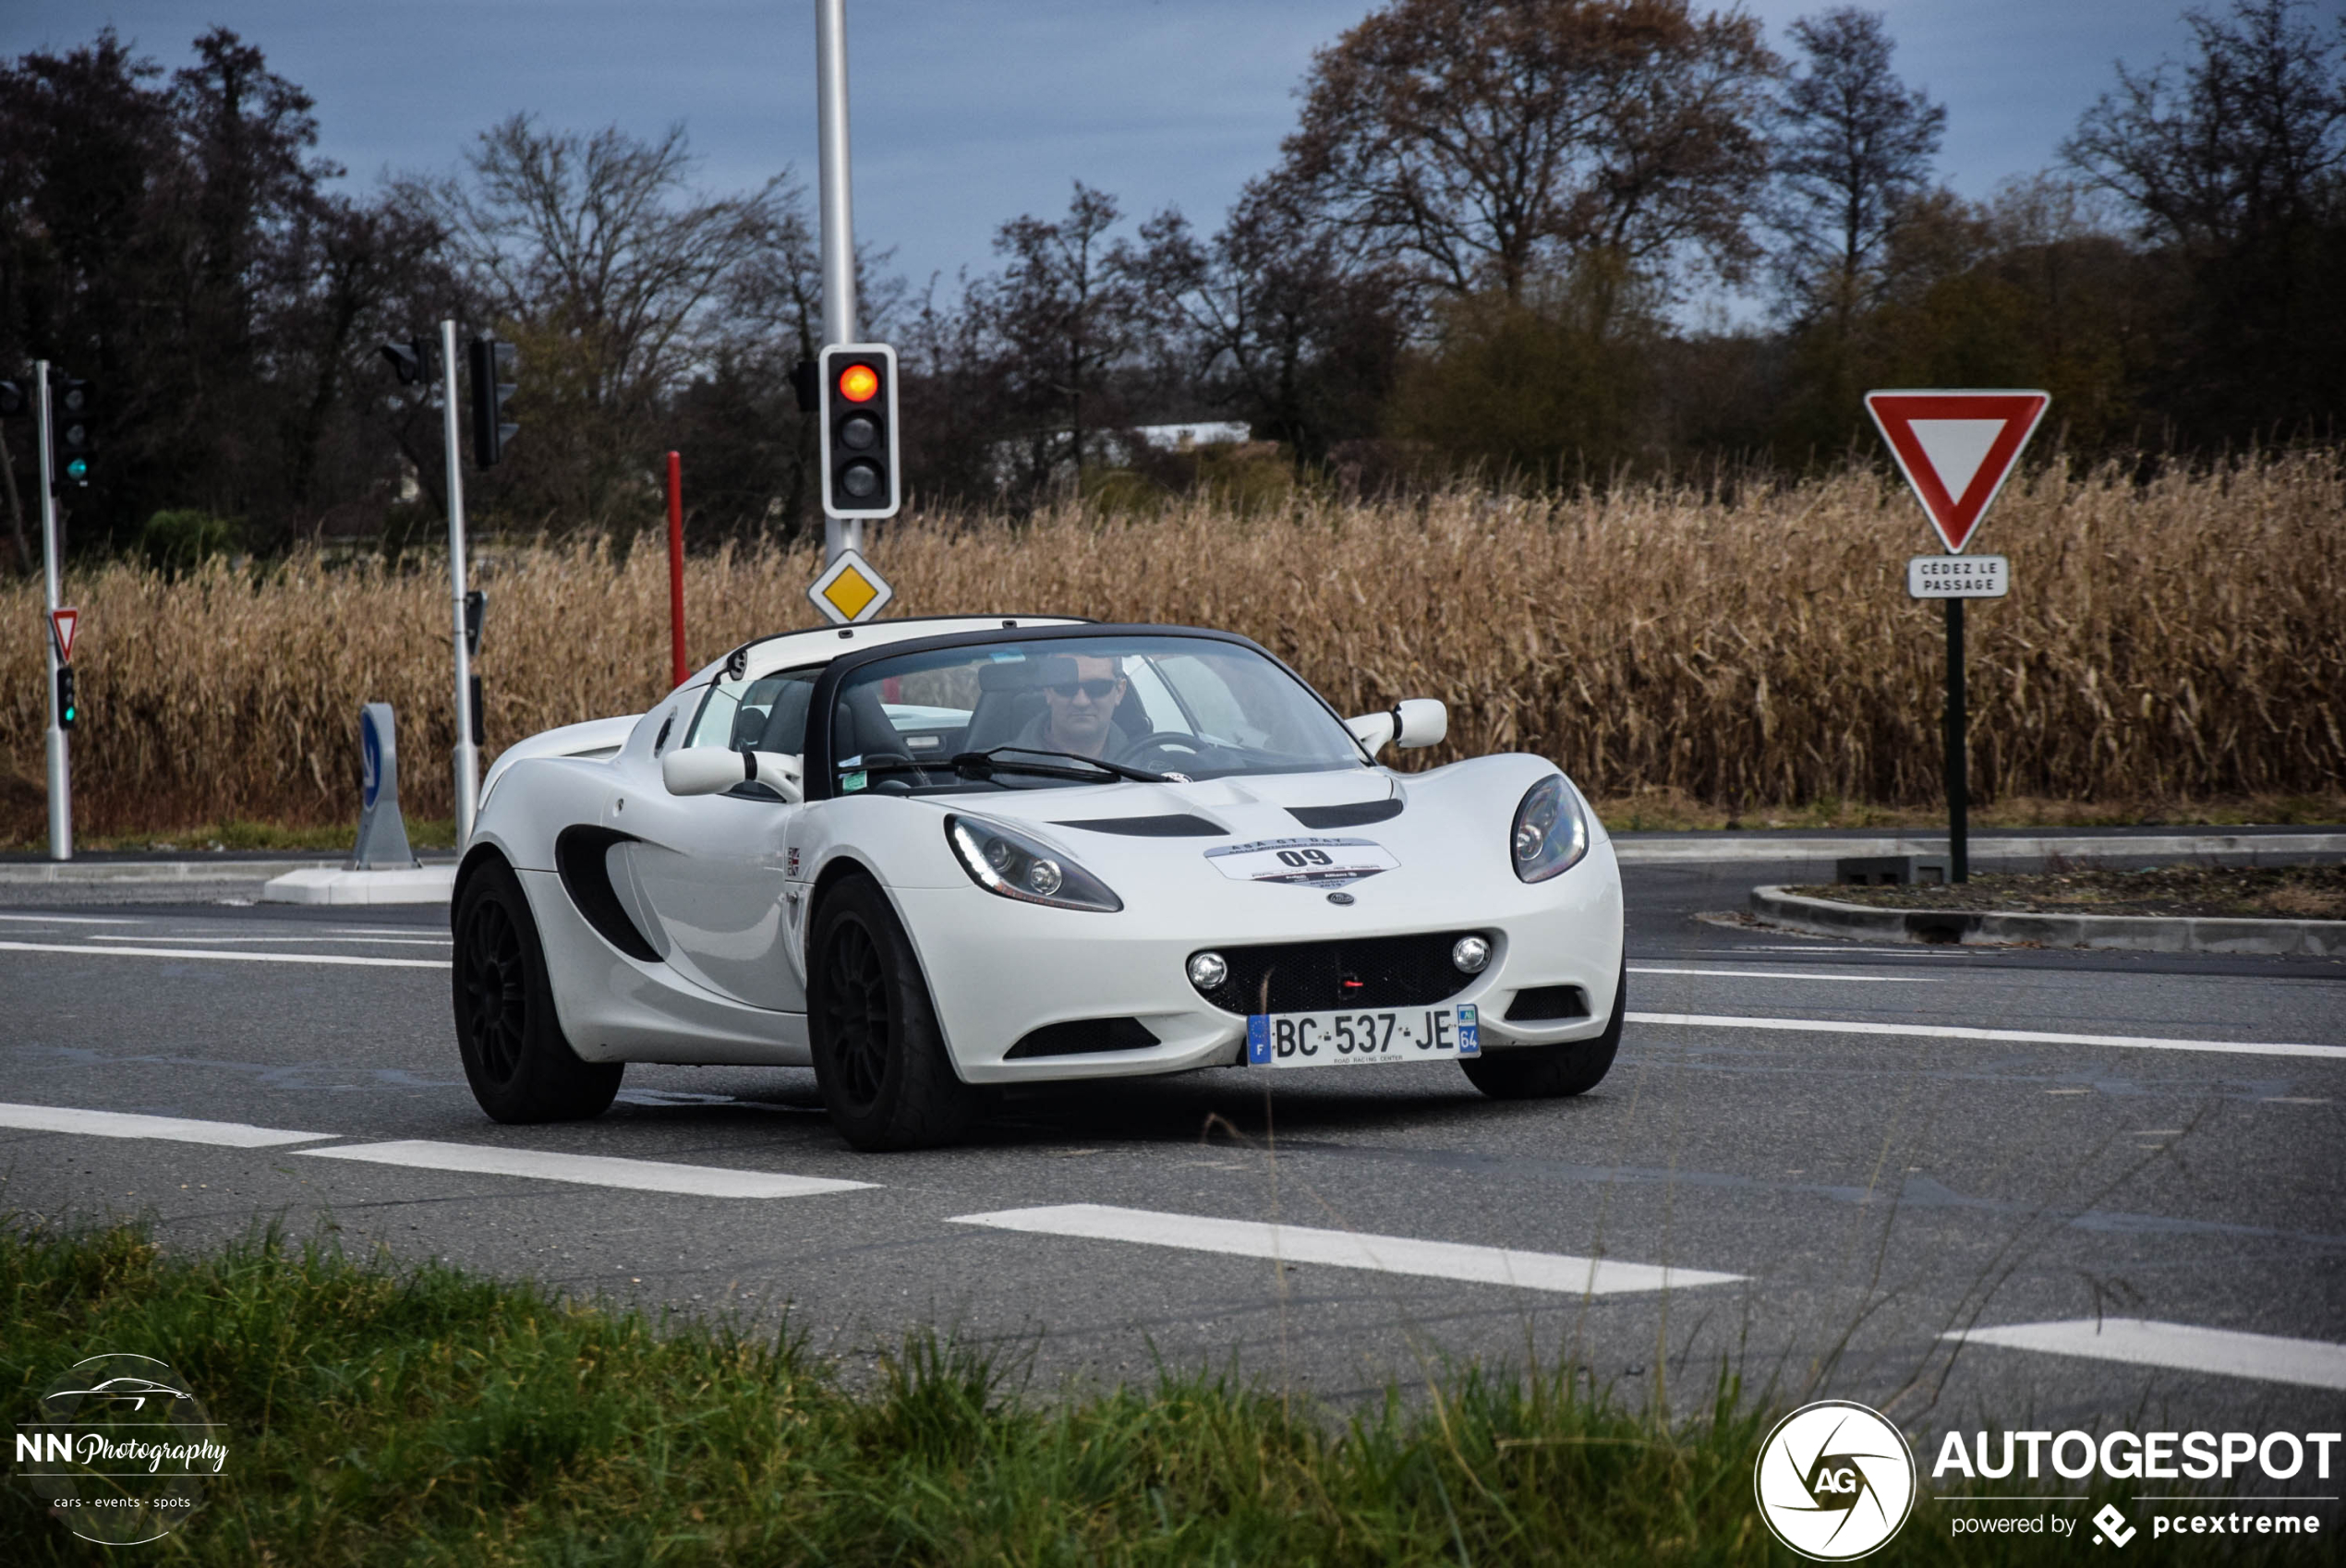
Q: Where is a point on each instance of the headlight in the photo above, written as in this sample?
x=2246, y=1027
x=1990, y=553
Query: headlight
x=1018, y=867
x=1551, y=830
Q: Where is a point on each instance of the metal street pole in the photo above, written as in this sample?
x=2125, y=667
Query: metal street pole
x=1958, y=762
x=467, y=755
x=53, y=589
x=840, y=534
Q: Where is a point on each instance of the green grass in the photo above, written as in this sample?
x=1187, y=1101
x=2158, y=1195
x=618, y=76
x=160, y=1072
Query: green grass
x=381, y=1415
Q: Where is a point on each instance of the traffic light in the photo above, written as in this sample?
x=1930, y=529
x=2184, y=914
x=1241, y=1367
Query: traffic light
x=411, y=359
x=70, y=423
x=489, y=361
x=858, y=430
x=69, y=707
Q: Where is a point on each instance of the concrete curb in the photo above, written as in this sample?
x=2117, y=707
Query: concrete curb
x=2223, y=848
x=332, y=884
x=2156, y=934
x=102, y=873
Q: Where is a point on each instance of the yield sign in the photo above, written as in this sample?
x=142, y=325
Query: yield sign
x=62, y=624
x=1957, y=448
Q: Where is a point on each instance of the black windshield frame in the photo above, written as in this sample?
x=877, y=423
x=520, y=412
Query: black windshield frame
x=819, y=772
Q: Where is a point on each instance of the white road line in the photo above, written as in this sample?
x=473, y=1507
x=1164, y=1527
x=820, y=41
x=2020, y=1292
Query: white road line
x=2311, y=1363
x=1778, y=974
x=69, y=920
x=2012, y=1036
x=85, y=949
x=101, y=937
x=591, y=1170
x=1344, y=1249
x=122, y=1124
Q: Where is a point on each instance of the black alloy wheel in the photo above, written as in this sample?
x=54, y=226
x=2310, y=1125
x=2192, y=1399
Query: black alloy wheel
x=492, y=990
x=520, y=1064
x=880, y=1059
x=855, y=1008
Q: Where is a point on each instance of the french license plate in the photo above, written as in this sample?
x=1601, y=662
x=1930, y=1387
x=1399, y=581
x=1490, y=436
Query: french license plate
x=1335, y=1039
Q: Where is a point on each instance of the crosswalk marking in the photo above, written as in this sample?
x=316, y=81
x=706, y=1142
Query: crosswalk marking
x=1346, y=1250
x=122, y=1124
x=2311, y=1363
x=88, y=949
x=1792, y=974
x=590, y=1170
x=2012, y=1036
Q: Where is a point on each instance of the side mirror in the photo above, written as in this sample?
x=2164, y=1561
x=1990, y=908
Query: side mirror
x=712, y=770
x=1417, y=722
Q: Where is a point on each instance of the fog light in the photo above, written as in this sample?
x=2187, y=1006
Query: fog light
x=1207, y=971
x=1470, y=955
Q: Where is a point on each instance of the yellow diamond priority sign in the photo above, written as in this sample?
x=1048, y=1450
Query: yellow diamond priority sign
x=850, y=590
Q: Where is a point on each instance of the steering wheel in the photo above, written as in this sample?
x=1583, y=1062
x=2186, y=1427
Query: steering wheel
x=1170, y=742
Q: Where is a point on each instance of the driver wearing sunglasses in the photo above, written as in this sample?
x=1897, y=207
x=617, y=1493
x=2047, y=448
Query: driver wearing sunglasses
x=1079, y=696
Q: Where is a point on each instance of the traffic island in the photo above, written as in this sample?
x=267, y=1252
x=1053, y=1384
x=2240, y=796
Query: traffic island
x=2264, y=909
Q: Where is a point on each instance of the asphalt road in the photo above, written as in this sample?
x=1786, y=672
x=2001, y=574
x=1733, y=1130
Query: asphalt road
x=2149, y=1137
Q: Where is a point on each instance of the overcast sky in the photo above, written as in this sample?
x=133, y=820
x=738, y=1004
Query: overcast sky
x=971, y=112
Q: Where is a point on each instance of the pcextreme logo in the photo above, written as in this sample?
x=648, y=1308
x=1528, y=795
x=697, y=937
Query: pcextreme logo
x=1834, y=1480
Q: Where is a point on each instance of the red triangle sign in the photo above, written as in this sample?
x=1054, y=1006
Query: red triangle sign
x=62, y=625
x=1957, y=448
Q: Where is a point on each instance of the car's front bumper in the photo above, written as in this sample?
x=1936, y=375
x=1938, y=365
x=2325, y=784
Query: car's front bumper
x=999, y=970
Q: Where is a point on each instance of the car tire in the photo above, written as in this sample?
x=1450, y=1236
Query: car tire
x=880, y=1056
x=1550, y=1073
x=519, y=1063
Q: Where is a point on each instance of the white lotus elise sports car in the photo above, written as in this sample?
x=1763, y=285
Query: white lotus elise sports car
x=932, y=858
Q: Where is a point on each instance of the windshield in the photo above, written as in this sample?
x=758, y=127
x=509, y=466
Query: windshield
x=1022, y=715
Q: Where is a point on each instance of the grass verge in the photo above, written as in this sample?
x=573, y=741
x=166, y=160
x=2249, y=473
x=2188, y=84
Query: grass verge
x=2269, y=892
x=378, y=1414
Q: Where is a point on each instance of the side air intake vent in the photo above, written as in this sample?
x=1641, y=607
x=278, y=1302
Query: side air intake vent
x=581, y=858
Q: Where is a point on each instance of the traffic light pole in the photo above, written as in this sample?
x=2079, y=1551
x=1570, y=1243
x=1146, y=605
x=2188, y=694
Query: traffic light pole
x=840, y=534
x=53, y=589
x=467, y=755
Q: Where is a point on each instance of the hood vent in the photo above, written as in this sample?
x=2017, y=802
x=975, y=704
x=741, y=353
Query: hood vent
x=1359, y=813
x=1175, y=825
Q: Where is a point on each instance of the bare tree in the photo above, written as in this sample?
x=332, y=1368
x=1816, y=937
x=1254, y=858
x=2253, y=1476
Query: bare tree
x=2236, y=169
x=1487, y=142
x=1060, y=316
x=1274, y=319
x=1854, y=150
x=602, y=263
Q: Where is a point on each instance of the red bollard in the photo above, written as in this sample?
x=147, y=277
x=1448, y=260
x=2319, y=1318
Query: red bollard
x=676, y=564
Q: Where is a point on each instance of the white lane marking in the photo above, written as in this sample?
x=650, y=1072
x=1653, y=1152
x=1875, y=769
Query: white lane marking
x=86, y=951
x=1778, y=974
x=122, y=1124
x=69, y=920
x=590, y=1170
x=101, y=937
x=1344, y=1249
x=2014, y=1036
x=2311, y=1363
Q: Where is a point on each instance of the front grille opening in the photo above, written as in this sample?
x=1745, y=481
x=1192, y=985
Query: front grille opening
x=1366, y=971
x=1548, y=1004
x=1079, y=1037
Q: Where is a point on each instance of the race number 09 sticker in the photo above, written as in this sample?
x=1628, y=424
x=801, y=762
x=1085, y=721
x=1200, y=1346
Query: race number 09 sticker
x=1834, y=1480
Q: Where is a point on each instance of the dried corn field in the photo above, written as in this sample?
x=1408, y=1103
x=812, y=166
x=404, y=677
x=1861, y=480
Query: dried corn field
x=2185, y=636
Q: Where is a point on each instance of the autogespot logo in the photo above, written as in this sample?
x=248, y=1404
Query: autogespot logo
x=1834, y=1480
